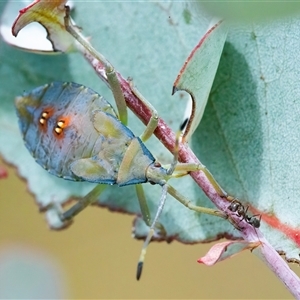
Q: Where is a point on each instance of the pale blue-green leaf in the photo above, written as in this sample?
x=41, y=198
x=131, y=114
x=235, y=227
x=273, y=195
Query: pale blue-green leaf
x=149, y=49
x=249, y=132
x=198, y=73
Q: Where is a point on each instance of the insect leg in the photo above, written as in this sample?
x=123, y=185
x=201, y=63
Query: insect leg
x=182, y=199
x=182, y=169
x=152, y=124
x=109, y=69
x=90, y=198
x=143, y=204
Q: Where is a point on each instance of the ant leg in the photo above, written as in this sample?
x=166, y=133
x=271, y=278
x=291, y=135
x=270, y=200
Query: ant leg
x=90, y=198
x=152, y=124
x=109, y=69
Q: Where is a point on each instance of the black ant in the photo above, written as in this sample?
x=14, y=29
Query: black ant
x=241, y=211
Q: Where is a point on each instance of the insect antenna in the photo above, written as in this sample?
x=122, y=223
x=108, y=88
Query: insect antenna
x=151, y=232
x=161, y=201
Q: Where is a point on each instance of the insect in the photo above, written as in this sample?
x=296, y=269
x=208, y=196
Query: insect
x=75, y=134
x=241, y=211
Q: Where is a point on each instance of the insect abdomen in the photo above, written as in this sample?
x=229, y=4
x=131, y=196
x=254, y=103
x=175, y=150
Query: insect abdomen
x=55, y=121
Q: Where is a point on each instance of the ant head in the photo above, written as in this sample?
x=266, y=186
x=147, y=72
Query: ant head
x=234, y=206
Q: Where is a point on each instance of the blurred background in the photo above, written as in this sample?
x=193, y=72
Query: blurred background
x=96, y=258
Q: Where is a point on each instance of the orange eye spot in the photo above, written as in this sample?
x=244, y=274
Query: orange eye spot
x=59, y=127
x=42, y=121
x=58, y=130
x=62, y=123
x=44, y=117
